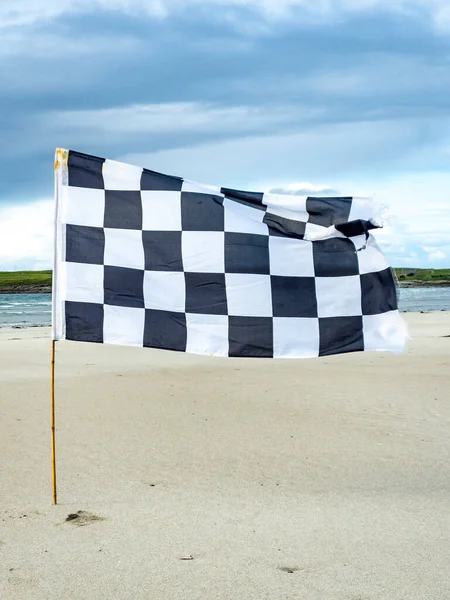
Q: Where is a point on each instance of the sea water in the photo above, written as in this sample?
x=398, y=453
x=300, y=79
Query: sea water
x=415, y=299
x=26, y=310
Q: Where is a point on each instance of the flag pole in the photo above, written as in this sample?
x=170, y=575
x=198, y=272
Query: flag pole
x=60, y=169
x=55, y=501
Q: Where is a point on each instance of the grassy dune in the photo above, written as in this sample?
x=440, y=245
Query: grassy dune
x=428, y=276
x=25, y=280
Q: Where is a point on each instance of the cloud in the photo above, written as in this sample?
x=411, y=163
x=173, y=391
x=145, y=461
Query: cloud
x=212, y=141
x=305, y=188
x=350, y=151
x=436, y=255
x=26, y=234
x=381, y=74
x=418, y=221
x=180, y=117
x=191, y=79
x=26, y=12
x=256, y=94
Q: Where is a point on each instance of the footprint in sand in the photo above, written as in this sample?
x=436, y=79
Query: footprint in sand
x=289, y=569
x=82, y=518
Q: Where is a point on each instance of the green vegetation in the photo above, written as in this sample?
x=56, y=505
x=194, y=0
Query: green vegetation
x=13, y=279
x=423, y=275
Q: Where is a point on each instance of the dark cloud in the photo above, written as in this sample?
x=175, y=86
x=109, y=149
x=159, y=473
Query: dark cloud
x=367, y=69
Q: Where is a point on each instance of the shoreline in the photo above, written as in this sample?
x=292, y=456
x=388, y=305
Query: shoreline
x=26, y=289
x=420, y=284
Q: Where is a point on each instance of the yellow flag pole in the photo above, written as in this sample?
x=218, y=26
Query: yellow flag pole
x=53, y=423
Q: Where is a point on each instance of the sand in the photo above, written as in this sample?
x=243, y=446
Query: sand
x=204, y=478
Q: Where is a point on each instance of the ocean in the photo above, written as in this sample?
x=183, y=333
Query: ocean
x=26, y=310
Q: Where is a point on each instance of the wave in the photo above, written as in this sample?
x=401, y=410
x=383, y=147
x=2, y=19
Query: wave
x=24, y=312
x=33, y=307
x=26, y=303
x=23, y=325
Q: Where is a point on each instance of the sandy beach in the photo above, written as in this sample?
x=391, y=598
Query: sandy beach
x=203, y=478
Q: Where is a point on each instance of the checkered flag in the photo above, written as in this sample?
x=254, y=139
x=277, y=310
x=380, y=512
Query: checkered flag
x=146, y=259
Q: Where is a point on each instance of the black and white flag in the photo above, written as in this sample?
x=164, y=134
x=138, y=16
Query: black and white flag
x=146, y=259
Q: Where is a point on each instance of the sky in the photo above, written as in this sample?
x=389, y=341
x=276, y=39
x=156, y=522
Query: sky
x=323, y=97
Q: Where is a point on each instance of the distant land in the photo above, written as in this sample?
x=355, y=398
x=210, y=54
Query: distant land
x=408, y=277
x=25, y=282
x=40, y=282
